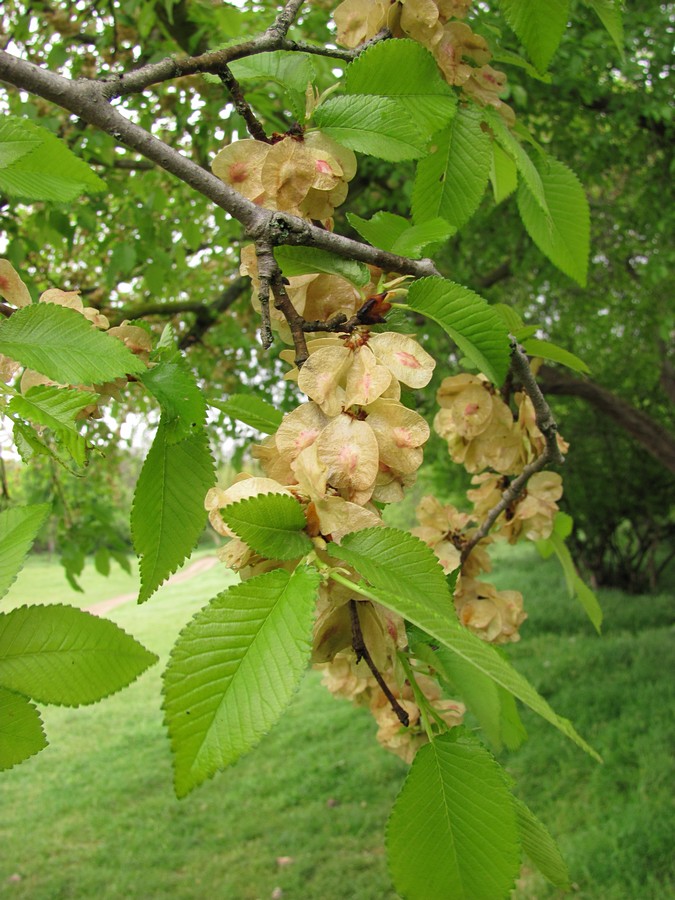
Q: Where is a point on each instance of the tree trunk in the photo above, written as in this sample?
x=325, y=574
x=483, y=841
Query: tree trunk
x=656, y=440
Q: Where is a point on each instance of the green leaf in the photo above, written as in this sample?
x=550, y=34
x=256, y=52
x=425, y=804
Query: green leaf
x=451, y=180
x=376, y=126
x=539, y=24
x=251, y=410
x=564, y=234
x=417, y=238
x=503, y=174
x=494, y=707
x=53, y=407
x=575, y=586
x=235, y=668
x=547, y=350
x=397, y=561
x=452, y=832
x=182, y=401
x=538, y=844
x=15, y=142
x=609, y=13
x=61, y=344
x=473, y=325
x=21, y=734
x=168, y=514
x=272, y=524
x=442, y=625
x=50, y=171
x=60, y=654
x=381, y=230
x=308, y=260
x=19, y=526
x=102, y=561
x=293, y=71
x=510, y=144
x=405, y=71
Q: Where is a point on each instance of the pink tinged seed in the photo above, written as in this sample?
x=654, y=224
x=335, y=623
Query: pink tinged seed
x=349, y=459
x=407, y=359
x=322, y=166
x=403, y=437
x=471, y=409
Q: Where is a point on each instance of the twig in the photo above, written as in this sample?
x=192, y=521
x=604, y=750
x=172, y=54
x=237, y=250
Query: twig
x=267, y=268
x=295, y=321
x=362, y=653
x=550, y=454
x=255, y=128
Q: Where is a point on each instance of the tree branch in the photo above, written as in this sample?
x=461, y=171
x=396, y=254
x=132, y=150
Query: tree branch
x=254, y=127
x=361, y=651
x=88, y=100
x=551, y=453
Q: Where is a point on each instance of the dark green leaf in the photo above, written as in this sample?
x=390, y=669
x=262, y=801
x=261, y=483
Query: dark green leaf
x=183, y=403
x=547, y=350
x=539, y=24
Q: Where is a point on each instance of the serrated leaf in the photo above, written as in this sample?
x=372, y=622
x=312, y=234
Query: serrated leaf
x=494, y=707
x=21, y=734
x=610, y=14
x=63, y=655
x=235, y=668
x=308, y=260
x=182, y=401
x=289, y=69
x=272, y=524
x=414, y=241
x=168, y=513
x=575, y=586
x=473, y=325
x=503, y=174
x=61, y=344
x=564, y=234
x=510, y=144
x=19, y=526
x=453, y=831
x=538, y=844
x=15, y=142
x=50, y=171
x=251, y=410
x=395, y=560
x=547, y=350
x=539, y=24
x=509, y=316
x=53, y=407
x=381, y=230
x=406, y=71
x=451, y=180
x=445, y=628
x=376, y=126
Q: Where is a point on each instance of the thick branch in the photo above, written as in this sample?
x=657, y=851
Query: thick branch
x=87, y=100
x=655, y=439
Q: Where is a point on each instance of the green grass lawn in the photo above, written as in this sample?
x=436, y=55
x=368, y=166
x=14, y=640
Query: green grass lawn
x=93, y=815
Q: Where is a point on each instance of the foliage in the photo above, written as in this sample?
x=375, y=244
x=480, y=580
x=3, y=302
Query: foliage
x=398, y=623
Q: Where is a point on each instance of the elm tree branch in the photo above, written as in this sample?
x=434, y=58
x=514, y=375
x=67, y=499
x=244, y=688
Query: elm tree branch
x=253, y=125
x=362, y=653
x=87, y=99
x=551, y=453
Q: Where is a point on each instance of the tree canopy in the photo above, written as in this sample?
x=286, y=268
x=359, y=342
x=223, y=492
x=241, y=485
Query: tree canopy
x=358, y=171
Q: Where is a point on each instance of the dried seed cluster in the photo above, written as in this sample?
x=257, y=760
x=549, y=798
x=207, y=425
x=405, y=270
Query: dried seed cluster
x=461, y=55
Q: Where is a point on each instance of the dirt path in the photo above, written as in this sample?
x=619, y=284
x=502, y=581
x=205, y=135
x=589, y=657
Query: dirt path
x=201, y=565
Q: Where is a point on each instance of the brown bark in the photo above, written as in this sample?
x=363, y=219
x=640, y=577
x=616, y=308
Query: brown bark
x=656, y=439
